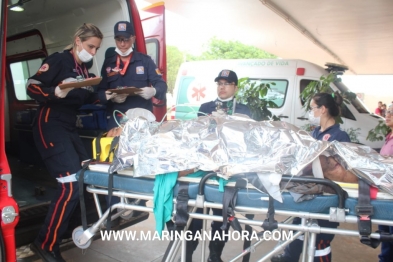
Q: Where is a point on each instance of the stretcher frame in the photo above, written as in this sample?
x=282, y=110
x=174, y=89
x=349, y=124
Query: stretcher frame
x=308, y=227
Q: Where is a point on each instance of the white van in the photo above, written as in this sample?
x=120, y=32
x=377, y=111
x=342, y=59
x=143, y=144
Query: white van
x=195, y=85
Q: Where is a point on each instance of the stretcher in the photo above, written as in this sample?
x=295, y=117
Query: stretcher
x=204, y=193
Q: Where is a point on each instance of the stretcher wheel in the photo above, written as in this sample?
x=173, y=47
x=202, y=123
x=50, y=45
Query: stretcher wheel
x=75, y=236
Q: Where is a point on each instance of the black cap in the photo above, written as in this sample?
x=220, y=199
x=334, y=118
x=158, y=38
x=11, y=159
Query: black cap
x=124, y=28
x=228, y=75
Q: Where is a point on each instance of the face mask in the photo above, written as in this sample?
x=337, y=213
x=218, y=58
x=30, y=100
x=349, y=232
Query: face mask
x=126, y=53
x=84, y=56
x=225, y=100
x=315, y=121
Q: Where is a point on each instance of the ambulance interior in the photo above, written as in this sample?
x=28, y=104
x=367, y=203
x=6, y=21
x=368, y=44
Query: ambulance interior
x=42, y=28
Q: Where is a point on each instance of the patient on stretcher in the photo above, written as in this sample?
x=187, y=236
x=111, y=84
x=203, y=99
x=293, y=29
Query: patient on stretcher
x=336, y=172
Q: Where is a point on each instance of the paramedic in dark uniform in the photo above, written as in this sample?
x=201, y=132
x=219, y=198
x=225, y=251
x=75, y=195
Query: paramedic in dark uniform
x=324, y=108
x=226, y=89
x=128, y=68
x=55, y=132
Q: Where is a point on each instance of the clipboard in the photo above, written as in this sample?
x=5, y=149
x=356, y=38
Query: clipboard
x=128, y=90
x=87, y=82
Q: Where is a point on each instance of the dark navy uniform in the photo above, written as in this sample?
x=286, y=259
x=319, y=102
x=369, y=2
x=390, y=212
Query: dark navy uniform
x=141, y=72
x=211, y=106
x=331, y=134
x=208, y=108
x=56, y=138
x=322, y=243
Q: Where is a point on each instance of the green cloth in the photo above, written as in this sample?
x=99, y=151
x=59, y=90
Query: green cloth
x=163, y=196
x=163, y=199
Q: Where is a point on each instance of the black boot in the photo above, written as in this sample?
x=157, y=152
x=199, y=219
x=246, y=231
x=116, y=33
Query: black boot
x=279, y=258
x=215, y=248
x=190, y=248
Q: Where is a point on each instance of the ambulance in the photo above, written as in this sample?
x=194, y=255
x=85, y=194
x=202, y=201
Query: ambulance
x=30, y=31
x=195, y=85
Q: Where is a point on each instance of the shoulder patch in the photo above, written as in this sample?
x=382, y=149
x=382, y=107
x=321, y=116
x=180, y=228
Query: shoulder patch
x=44, y=68
x=158, y=71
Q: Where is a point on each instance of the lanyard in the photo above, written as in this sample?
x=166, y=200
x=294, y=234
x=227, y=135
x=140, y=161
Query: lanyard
x=79, y=70
x=126, y=63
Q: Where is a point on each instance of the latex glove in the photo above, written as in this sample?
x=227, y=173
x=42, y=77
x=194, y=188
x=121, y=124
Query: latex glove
x=120, y=98
x=109, y=95
x=61, y=93
x=146, y=92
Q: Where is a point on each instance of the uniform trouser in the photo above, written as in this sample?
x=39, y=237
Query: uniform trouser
x=59, y=213
x=386, y=247
x=322, y=244
x=62, y=151
x=196, y=224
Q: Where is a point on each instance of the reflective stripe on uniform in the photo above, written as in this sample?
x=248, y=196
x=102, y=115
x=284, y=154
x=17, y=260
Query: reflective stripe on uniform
x=67, y=179
x=323, y=252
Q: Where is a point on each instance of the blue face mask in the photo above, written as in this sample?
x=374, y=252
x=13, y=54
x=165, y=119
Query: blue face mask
x=315, y=121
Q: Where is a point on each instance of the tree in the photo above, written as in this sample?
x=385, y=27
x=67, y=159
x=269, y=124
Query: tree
x=174, y=60
x=221, y=49
x=216, y=49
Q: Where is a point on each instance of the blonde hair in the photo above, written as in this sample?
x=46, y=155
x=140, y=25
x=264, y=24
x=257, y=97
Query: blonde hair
x=84, y=32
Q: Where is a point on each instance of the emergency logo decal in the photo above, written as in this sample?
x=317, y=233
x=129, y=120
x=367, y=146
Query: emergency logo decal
x=158, y=71
x=122, y=27
x=44, y=68
x=108, y=70
x=326, y=137
x=140, y=70
x=197, y=92
x=225, y=73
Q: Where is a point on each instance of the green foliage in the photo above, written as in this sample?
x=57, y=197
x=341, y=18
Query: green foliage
x=353, y=134
x=379, y=132
x=253, y=95
x=221, y=49
x=322, y=86
x=174, y=60
x=216, y=49
x=376, y=134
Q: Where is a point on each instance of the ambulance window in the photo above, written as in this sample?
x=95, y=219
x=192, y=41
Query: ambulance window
x=303, y=84
x=20, y=72
x=277, y=92
x=346, y=113
x=152, y=47
x=357, y=103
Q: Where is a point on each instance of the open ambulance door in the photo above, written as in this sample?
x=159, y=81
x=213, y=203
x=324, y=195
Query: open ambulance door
x=153, y=23
x=8, y=206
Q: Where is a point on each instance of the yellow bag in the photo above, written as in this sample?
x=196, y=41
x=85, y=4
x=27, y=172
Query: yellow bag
x=104, y=148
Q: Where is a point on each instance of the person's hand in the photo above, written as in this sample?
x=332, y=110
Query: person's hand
x=110, y=95
x=146, y=92
x=61, y=93
x=120, y=98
